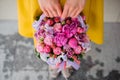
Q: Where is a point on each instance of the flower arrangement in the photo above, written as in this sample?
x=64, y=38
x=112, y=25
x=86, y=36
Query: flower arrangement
x=61, y=43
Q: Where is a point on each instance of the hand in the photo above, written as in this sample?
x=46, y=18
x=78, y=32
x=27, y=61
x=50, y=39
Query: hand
x=72, y=8
x=51, y=8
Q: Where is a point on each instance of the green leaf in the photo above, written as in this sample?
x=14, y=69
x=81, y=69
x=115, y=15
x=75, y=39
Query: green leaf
x=37, y=18
x=80, y=56
x=71, y=59
x=37, y=54
x=63, y=22
x=41, y=39
x=47, y=57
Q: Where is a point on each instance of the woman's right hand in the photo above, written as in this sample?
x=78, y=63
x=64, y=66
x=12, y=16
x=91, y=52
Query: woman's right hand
x=51, y=8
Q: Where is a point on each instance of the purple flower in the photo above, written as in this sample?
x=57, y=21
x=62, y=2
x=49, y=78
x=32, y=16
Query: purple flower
x=82, y=37
x=60, y=39
x=40, y=34
x=70, y=30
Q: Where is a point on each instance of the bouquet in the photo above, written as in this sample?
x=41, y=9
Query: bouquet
x=61, y=42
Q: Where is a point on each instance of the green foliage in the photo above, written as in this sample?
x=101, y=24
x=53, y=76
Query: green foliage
x=71, y=59
x=37, y=54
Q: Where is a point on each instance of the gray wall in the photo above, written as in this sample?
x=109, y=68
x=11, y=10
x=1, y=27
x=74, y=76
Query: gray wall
x=8, y=10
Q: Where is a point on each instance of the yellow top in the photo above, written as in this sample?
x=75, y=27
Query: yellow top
x=28, y=10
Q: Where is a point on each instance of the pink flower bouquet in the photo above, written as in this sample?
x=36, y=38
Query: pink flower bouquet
x=61, y=43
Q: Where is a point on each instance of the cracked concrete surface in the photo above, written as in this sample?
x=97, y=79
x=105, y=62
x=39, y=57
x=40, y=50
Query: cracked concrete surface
x=18, y=61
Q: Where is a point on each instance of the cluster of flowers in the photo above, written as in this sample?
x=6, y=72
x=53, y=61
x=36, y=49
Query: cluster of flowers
x=61, y=43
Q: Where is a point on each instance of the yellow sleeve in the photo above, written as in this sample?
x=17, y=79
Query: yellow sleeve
x=94, y=18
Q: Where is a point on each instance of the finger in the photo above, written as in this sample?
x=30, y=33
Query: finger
x=77, y=13
x=73, y=13
x=65, y=12
x=59, y=11
x=50, y=13
x=54, y=12
x=45, y=12
x=70, y=11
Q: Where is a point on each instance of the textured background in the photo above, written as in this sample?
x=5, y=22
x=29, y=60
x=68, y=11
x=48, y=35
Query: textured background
x=8, y=10
x=18, y=62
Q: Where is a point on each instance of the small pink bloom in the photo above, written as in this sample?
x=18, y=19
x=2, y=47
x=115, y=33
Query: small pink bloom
x=47, y=49
x=57, y=19
x=73, y=42
x=48, y=40
x=52, y=46
x=50, y=22
x=58, y=27
x=39, y=48
x=86, y=39
x=80, y=30
x=57, y=50
x=78, y=50
x=83, y=17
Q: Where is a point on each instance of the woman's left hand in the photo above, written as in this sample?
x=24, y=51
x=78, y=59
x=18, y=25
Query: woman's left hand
x=72, y=8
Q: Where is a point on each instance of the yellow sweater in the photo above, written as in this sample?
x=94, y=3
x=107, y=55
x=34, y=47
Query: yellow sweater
x=28, y=10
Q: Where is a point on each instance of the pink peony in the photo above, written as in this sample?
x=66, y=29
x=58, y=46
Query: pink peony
x=60, y=39
x=78, y=49
x=73, y=42
x=39, y=48
x=70, y=30
x=47, y=49
x=58, y=27
x=48, y=40
x=57, y=50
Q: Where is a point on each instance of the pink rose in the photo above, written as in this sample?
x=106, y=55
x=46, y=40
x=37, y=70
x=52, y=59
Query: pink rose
x=57, y=19
x=60, y=39
x=73, y=42
x=78, y=49
x=57, y=50
x=58, y=27
x=39, y=48
x=47, y=49
x=48, y=40
x=50, y=22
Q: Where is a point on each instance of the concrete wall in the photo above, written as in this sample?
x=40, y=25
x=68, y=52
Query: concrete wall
x=8, y=10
